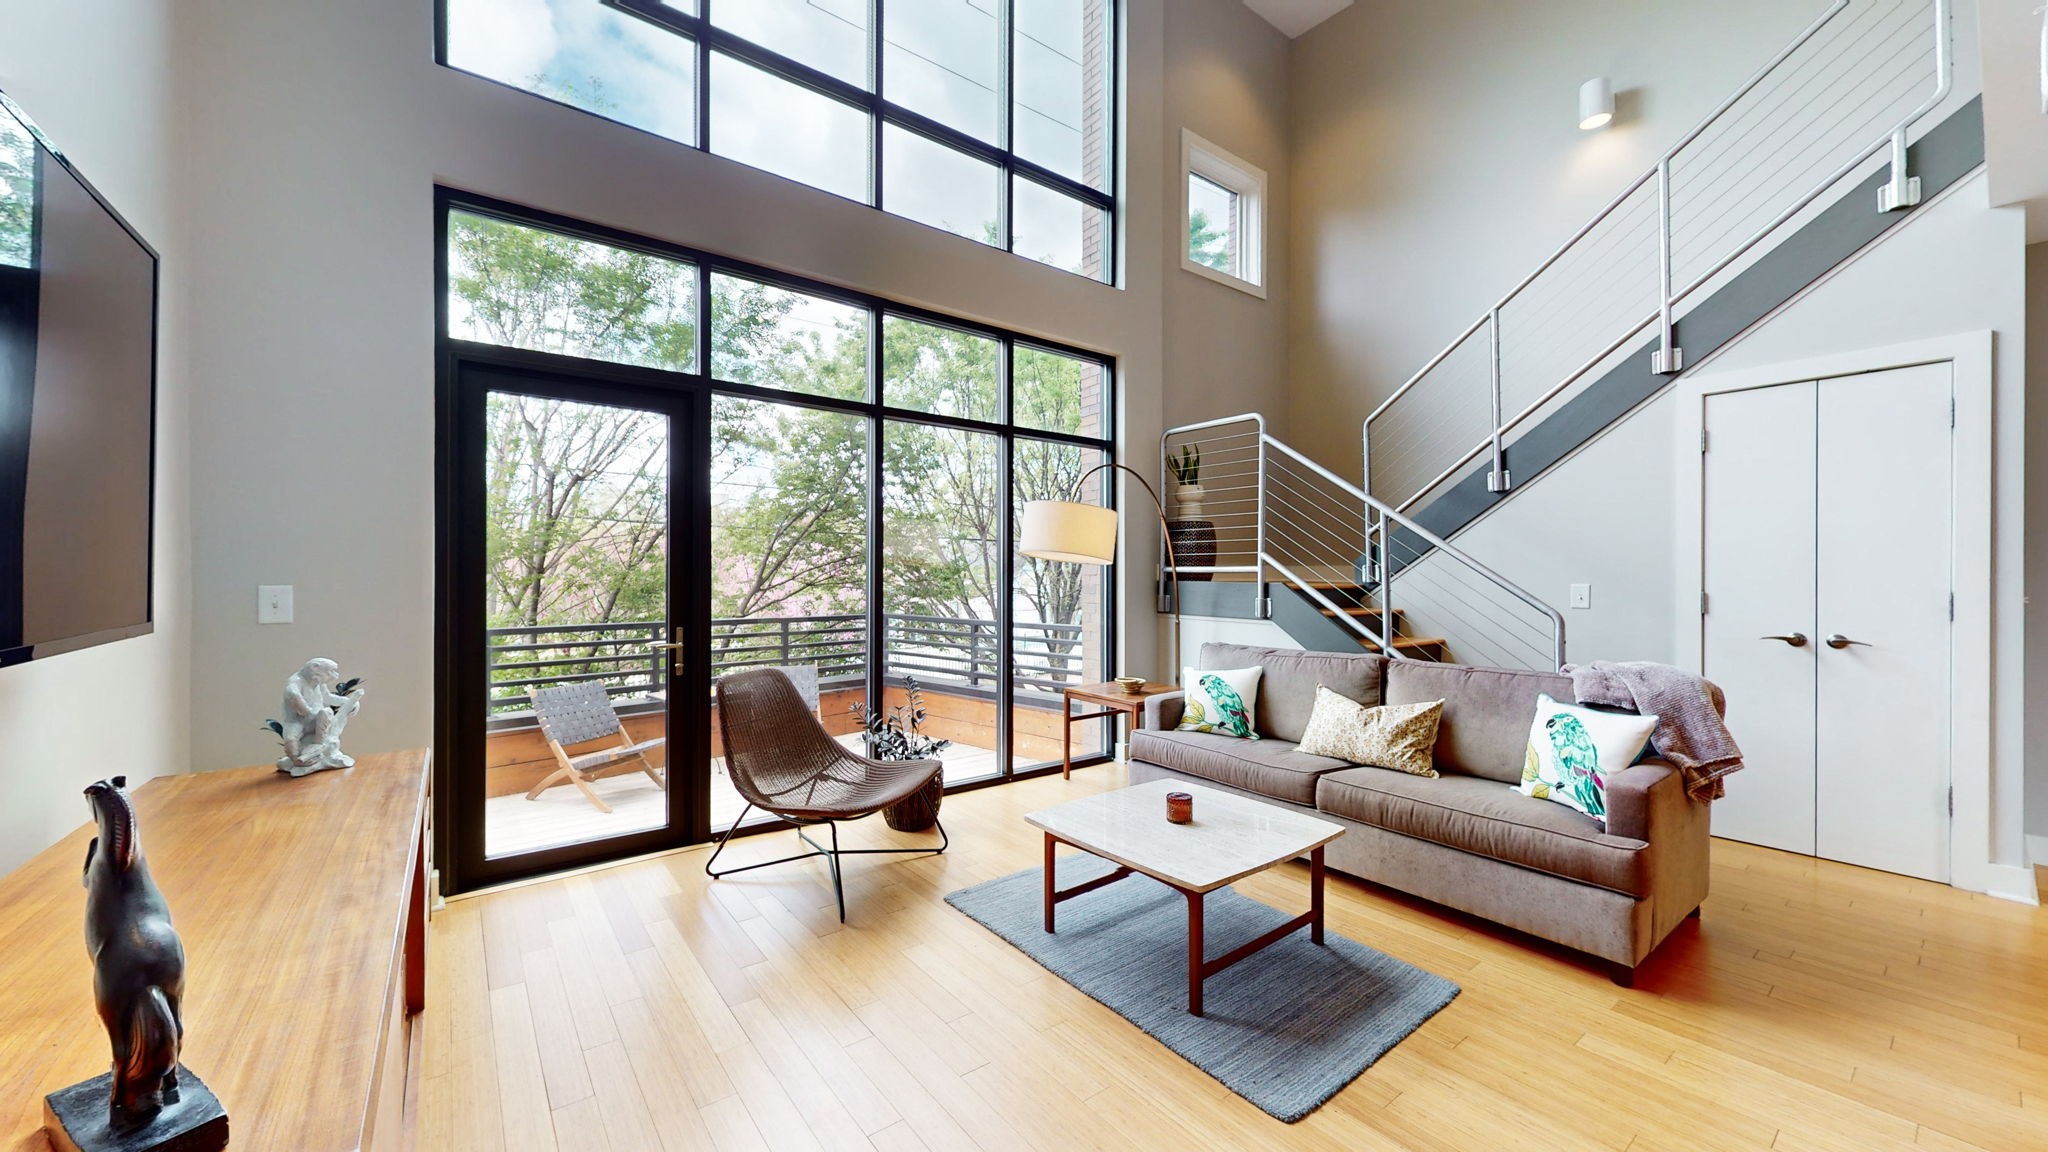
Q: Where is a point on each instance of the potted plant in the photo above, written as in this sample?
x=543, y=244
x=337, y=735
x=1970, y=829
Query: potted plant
x=899, y=735
x=1187, y=476
x=1194, y=538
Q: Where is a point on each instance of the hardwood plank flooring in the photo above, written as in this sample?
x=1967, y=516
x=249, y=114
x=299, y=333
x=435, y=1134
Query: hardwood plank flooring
x=1815, y=1006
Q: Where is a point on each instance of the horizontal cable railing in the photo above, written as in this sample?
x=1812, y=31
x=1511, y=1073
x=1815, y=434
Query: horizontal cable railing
x=1277, y=517
x=1835, y=104
x=950, y=655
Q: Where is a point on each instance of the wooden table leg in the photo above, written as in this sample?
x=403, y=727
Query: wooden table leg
x=1194, y=952
x=1049, y=899
x=1315, y=895
x=1066, y=743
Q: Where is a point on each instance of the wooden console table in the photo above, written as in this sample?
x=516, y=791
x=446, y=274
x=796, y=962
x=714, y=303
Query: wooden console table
x=1112, y=700
x=302, y=904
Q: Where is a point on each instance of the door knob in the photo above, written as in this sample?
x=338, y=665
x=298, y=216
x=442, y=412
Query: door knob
x=1791, y=639
x=1838, y=640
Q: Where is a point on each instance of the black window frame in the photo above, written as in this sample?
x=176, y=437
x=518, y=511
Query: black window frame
x=707, y=39
x=452, y=351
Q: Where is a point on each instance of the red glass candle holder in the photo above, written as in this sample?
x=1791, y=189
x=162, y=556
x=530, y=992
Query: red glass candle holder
x=1180, y=808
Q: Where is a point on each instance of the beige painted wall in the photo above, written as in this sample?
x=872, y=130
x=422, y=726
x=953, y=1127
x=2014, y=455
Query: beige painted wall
x=318, y=133
x=2037, y=553
x=1226, y=79
x=1437, y=159
x=96, y=76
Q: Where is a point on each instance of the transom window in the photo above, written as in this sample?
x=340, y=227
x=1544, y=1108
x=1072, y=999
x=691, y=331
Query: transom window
x=991, y=119
x=1224, y=213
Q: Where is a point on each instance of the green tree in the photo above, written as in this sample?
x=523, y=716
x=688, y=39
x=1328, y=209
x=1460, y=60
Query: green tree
x=1208, y=243
x=17, y=193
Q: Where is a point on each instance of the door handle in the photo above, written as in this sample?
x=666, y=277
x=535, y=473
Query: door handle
x=1837, y=640
x=1791, y=639
x=676, y=646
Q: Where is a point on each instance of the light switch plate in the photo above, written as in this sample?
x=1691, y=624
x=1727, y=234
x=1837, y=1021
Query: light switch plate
x=1582, y=595
x=273, y=603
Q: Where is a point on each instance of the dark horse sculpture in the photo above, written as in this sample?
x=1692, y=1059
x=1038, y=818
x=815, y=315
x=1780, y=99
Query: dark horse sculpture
x=138, y=962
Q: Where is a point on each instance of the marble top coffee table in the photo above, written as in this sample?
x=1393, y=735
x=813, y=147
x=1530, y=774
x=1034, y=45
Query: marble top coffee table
x=1230, y=838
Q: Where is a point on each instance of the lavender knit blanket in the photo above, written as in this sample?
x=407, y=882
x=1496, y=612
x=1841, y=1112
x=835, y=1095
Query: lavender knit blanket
x=1690, y=732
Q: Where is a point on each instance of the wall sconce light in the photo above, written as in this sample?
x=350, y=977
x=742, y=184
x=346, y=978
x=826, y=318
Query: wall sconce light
x=1596, y=104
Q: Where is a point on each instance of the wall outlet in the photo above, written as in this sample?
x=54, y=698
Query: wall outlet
x=1582, y=595
x=273, y=603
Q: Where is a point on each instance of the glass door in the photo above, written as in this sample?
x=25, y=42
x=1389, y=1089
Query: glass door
x=576, y=505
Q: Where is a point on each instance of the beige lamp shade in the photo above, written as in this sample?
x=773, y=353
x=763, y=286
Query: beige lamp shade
x=1065, y=530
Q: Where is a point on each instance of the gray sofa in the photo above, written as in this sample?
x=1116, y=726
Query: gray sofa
x=1464, y=839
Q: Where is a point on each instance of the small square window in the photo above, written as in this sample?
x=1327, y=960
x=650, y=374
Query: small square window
x=1224, y=214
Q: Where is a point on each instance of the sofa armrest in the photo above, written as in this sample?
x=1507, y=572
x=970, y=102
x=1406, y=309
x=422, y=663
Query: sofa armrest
x=1162, y=712
x=1640, y=794
x=1648, y=802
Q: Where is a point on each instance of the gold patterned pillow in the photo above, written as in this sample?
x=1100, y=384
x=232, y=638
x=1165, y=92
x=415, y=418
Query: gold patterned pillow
x=1397, y=736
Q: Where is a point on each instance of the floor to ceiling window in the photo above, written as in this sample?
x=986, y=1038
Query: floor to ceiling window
x=992, y=119
x=866, y=466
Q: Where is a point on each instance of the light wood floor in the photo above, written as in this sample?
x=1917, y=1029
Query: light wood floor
x=1815, y=1008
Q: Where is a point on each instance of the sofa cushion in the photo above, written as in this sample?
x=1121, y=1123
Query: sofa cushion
x=1485, y=725
x=1287, y=694
x=1489, y=819
x=1221, y=700
x=1265, y=767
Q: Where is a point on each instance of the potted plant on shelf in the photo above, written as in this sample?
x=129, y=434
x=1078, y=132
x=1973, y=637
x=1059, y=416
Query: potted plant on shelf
x=1194, y=538
x=899, y=735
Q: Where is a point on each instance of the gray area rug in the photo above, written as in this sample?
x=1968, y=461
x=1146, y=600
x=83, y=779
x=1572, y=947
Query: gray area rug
x=1285, y=1028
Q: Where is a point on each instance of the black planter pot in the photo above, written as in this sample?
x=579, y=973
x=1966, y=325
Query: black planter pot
x=1194, y=545
x=919, y=810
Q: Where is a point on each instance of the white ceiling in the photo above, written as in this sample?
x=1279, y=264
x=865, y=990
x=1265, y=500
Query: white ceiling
x=1296, y=16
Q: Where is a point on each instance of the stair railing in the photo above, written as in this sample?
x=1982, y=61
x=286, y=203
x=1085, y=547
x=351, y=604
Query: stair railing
x=1750, y=156
x=1268, y=514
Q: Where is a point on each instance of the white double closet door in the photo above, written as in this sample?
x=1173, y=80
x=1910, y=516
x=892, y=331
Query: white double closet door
x=1827, y=571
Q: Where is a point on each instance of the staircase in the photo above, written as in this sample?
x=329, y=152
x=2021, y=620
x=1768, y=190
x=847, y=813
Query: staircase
x=1281, y=537
x=1813, y=158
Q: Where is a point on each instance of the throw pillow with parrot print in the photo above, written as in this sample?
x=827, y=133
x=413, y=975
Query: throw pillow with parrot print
x=1573, y=752
x=1220, y=700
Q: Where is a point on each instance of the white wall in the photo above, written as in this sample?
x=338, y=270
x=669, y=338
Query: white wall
x=318, y=133
x=1226, y=79
x=2037, y=551
x=1437, y=160
x=1604, y=516
x=95, y=75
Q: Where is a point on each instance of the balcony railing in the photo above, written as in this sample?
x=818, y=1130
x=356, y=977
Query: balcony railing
x=953, y=655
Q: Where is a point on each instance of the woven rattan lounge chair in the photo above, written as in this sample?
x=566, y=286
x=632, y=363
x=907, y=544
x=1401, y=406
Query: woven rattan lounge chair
x=782, y=761
x=572, y=714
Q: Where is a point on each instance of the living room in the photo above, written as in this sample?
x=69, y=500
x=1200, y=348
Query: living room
x=851, y=393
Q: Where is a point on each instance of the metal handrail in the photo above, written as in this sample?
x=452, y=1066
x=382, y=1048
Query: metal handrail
x=1901, y=191
x=1374, y=520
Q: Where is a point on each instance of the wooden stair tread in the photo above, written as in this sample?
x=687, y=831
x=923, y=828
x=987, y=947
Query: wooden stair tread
x=1412, y=642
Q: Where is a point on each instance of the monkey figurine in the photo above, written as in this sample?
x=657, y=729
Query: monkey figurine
x=138, y=962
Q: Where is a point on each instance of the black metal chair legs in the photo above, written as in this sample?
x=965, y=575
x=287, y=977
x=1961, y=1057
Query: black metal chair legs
x=831, y=854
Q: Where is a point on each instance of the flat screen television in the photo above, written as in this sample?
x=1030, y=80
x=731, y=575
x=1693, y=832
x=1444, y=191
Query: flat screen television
x=78, y=304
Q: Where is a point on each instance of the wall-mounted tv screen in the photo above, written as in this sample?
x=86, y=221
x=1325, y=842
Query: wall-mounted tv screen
x=78, y=299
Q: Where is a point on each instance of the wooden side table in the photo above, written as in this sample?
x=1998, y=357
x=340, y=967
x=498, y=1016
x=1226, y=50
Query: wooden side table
x=1113, y=701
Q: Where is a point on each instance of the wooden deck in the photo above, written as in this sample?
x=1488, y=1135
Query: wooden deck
x=1815, y=1006
x=514, y=825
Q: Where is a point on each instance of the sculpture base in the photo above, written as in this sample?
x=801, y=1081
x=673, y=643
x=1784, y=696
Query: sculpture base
x=75, y=1119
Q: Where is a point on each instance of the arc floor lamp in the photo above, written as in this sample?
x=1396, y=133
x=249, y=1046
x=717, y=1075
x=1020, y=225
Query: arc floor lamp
x=1078, y=533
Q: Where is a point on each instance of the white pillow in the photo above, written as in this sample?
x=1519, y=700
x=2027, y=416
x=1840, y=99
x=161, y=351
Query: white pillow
x=1220, y=700
x=1574, y=751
